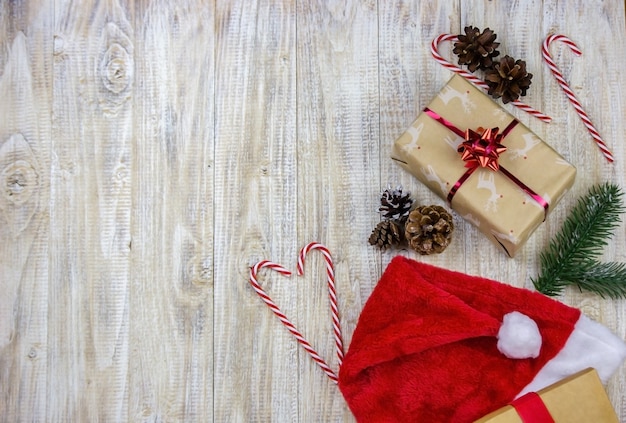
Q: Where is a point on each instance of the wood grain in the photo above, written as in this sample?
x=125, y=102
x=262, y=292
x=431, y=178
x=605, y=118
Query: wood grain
x=255, y=213
x=25, y=134
x=152, y=151
x=338, y=146
x=90, y=212
x=171, y=285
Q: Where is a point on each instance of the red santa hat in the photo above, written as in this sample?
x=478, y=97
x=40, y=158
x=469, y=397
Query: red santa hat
x=433, y=345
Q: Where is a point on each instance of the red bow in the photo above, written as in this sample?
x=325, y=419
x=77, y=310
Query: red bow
x=482, y=149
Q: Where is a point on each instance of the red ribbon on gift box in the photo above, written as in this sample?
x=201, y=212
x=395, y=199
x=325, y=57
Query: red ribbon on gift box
x=531, y=409
x=483, y=150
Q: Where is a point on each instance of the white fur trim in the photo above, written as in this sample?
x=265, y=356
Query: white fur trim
x=589, y=345
x=519, y=336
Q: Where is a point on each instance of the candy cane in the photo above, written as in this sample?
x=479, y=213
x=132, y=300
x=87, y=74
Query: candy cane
x=570, y=94
x=332, y=294
x=283, y=318
x=434, y=50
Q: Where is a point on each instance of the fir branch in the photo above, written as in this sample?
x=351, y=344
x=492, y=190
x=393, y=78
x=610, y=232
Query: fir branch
x=605, y=279
x=572, y=255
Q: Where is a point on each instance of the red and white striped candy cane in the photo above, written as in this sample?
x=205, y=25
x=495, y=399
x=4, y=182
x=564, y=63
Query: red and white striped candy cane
x=283, y=318
x=434, y=50
x=332, y=293
x=570, y=94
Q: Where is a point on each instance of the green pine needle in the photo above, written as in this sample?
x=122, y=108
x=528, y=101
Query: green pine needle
x=605, y=279
x=571, y=258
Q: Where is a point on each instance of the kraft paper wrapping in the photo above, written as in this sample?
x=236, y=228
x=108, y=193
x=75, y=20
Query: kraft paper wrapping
x=580, y=398
x=489, y=200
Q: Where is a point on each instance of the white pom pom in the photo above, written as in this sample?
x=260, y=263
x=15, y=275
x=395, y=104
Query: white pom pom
x=519, y=336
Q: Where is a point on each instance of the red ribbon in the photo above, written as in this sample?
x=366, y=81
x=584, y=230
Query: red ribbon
x=531, y=409
x=483, y=150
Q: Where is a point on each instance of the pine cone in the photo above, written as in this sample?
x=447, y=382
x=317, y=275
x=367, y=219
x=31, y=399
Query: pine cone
x=386, y=234
x=476, y=49
x=508, y=79
x=395, y=205
x=429, y=229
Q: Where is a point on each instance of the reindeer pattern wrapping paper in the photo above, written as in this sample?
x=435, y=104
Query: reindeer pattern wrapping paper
x=490, y=200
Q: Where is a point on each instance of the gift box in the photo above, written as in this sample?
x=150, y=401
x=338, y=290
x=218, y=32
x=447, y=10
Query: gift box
x=456, y=148
x=579, y=398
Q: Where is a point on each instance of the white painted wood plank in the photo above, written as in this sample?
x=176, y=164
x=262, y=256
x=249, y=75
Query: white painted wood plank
x=338, y=157
x=90, y=211
x=256, y=361
x=171, y=285
x=25, y=132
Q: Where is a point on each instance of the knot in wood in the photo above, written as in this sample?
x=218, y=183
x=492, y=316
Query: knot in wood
x=590, y=308
x=19, y=180
x=32, y=354
x=116, y=68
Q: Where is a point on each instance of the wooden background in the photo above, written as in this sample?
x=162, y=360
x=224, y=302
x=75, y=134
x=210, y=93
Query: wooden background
x=152, y=151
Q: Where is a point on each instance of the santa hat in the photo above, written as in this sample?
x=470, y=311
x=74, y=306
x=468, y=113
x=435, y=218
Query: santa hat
x=433, y=345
